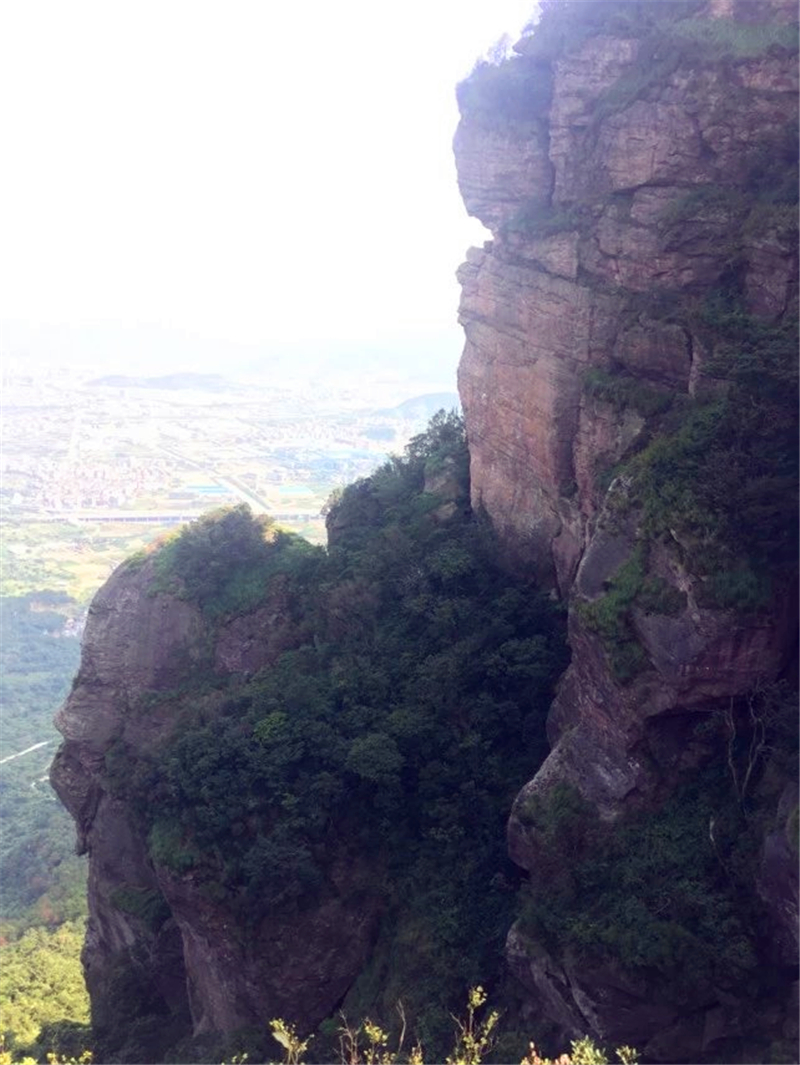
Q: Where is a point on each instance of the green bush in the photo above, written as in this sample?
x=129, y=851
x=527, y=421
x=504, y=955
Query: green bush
x=148, y=904
x=514, y=90
x=717, y=202
x=167, y=847
x=622, y=391
x=226, y=560
x=737, y=589
x=655, y=895
x=536, y=219
x=609, y=617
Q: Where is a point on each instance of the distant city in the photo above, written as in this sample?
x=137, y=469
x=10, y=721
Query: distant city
x=79, y=447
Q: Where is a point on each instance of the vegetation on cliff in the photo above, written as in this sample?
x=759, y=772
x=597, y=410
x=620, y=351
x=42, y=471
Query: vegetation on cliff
x=668, y=895
x=716, y=472
x=396, y=729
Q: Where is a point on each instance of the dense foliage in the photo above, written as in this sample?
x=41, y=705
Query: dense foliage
x=42, y=881
x=41, y=983
x=401, y=724
x=225, y=559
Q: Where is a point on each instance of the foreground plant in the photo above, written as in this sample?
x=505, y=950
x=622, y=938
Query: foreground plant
x=376, y=1051
x=7, y=1058
x=473, y=1039
x=288, y=1038
x=584, y=1052
x=368, y=1043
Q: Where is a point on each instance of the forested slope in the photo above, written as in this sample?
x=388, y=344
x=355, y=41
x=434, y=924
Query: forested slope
x=315, y=776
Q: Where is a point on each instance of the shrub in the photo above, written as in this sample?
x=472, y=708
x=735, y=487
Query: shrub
x=167, y=847
x=226, y=559
x=609, y=617
x=514, y=90
x=536, y=219
x=654, y=895
x=148, y=904
x=622, y=391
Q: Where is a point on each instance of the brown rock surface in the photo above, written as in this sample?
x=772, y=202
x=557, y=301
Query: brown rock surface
x=542, y=302
x=495, y=165
x=140, y=650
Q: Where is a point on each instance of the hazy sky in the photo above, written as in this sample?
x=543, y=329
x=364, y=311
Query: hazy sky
x=242, y=171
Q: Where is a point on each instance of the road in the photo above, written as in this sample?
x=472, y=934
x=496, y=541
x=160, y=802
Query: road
x=19, y=754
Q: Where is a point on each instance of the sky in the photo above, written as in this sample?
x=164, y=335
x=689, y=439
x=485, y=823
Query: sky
x=263, y=173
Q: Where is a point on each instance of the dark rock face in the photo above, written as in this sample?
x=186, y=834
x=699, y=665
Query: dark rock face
x=607, y=186
x=139, y=649
x=777, y=880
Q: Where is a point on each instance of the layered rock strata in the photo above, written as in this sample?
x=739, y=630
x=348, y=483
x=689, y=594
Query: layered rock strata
x=611, y=196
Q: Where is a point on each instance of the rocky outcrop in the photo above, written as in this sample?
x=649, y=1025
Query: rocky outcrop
x=611, y=204
x=538, y=310
x=146, y=656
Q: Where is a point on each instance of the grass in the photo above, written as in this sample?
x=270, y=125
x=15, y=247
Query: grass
x=610, y=615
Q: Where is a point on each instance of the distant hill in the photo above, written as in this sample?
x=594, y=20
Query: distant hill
x=204, y=382
x=422, y=406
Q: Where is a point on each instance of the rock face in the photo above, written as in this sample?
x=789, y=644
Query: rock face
x=539, y=310
x=618, y=196
x=189, y=956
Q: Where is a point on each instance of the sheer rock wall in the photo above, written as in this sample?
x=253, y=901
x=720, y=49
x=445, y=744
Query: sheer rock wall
x=581, y=196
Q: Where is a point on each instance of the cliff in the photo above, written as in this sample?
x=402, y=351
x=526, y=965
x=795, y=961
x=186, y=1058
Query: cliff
x=160, y=940
x=292, y=768
x=630, y=340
